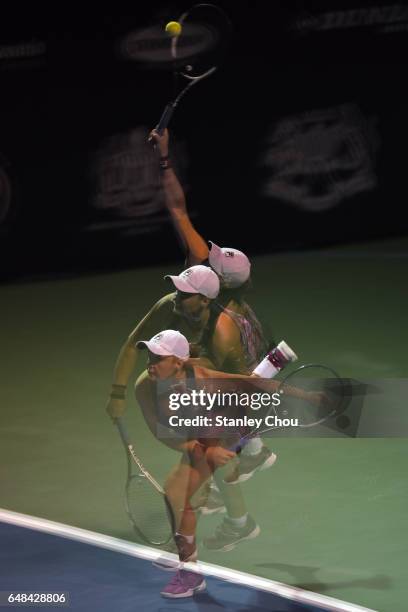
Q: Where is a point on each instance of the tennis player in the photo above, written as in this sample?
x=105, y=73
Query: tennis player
x=168, y=360
x=188, y=310
x=239, y=341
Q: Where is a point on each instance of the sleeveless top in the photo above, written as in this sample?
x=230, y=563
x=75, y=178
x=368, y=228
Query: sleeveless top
x=253, y=339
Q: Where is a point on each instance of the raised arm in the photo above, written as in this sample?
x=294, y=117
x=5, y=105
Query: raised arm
x=155, y=320
x=194, y=244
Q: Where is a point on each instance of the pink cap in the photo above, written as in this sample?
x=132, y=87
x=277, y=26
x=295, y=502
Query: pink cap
x=167, y=342
x=231, y=265
x=197, y=279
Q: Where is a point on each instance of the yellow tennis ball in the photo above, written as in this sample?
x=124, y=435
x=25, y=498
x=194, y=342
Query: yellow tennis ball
x=173, y=28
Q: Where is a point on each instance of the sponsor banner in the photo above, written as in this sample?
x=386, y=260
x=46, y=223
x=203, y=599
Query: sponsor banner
x=319, y=158
x=22, y=55
x=379, y=19
x=126, y=183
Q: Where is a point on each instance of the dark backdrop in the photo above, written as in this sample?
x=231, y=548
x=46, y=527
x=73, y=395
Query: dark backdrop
x=297, y=141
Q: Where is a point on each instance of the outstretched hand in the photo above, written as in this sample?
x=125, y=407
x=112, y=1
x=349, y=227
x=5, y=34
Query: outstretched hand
x=320, y=399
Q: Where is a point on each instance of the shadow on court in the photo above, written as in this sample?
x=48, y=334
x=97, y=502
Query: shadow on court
x=305, y=579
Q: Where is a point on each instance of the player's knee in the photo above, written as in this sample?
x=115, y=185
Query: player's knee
x=173, y=489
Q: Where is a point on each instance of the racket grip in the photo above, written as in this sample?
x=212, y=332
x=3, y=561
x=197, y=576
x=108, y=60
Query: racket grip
x=238, y=446
x=275, y=361
x=165, y=119
x=123, y=431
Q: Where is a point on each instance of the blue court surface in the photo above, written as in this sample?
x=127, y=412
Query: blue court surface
x=107, y=574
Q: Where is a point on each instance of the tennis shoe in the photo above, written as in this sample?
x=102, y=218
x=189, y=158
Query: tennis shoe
x=212, y=504
x=249, y=464
x=184, y=584
x=227, y=535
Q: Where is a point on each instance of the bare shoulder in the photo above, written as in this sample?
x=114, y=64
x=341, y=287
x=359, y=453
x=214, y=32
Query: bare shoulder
x=226, y=329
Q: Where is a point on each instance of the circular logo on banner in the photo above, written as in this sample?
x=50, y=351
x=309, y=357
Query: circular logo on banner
x=152, y=45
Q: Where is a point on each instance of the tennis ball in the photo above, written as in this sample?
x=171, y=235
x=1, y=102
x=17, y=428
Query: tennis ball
x=173, y=28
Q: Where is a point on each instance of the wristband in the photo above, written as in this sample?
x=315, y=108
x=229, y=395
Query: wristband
x=118, y=392
x=165, y=163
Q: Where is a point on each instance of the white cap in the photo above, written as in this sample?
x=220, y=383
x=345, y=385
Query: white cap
x=231, y=265
x=197, y=279
x=167, y=342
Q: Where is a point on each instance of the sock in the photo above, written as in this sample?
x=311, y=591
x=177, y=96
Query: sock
x=213, y=485
x=238, y=522
x=188, y=538
x=253, y=447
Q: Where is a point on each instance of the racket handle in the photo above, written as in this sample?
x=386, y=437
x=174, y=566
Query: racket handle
x=123, y=431
x=165, y=119
x=238, y=446
x=275, y=361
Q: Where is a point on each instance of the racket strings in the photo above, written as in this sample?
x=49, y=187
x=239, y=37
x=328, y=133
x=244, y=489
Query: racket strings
x=147, y=510
x=207, y=29
x=311, y=396
x=196, y=52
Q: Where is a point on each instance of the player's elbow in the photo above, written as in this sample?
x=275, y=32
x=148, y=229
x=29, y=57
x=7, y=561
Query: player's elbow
x=127, y=354
x=131, y=345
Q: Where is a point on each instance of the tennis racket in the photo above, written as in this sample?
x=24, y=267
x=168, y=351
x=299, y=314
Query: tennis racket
x=309, y=396
x=196, y=51
x=146, y=503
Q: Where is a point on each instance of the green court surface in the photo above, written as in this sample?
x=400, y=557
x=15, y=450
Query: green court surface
x=333, y=511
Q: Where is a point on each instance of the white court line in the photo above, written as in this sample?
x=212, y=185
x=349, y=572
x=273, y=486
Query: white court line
x=151, y=554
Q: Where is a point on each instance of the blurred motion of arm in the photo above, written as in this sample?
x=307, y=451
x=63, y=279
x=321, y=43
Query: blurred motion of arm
x=175, y=201
x=155, y=320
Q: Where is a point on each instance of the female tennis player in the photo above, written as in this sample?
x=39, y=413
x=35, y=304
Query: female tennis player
x=168, y=370
x=235, y=340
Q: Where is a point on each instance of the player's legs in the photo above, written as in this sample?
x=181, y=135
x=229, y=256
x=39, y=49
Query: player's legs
x=184, y=481
x=180, y=486
x=232, y=496
x=238, y=525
